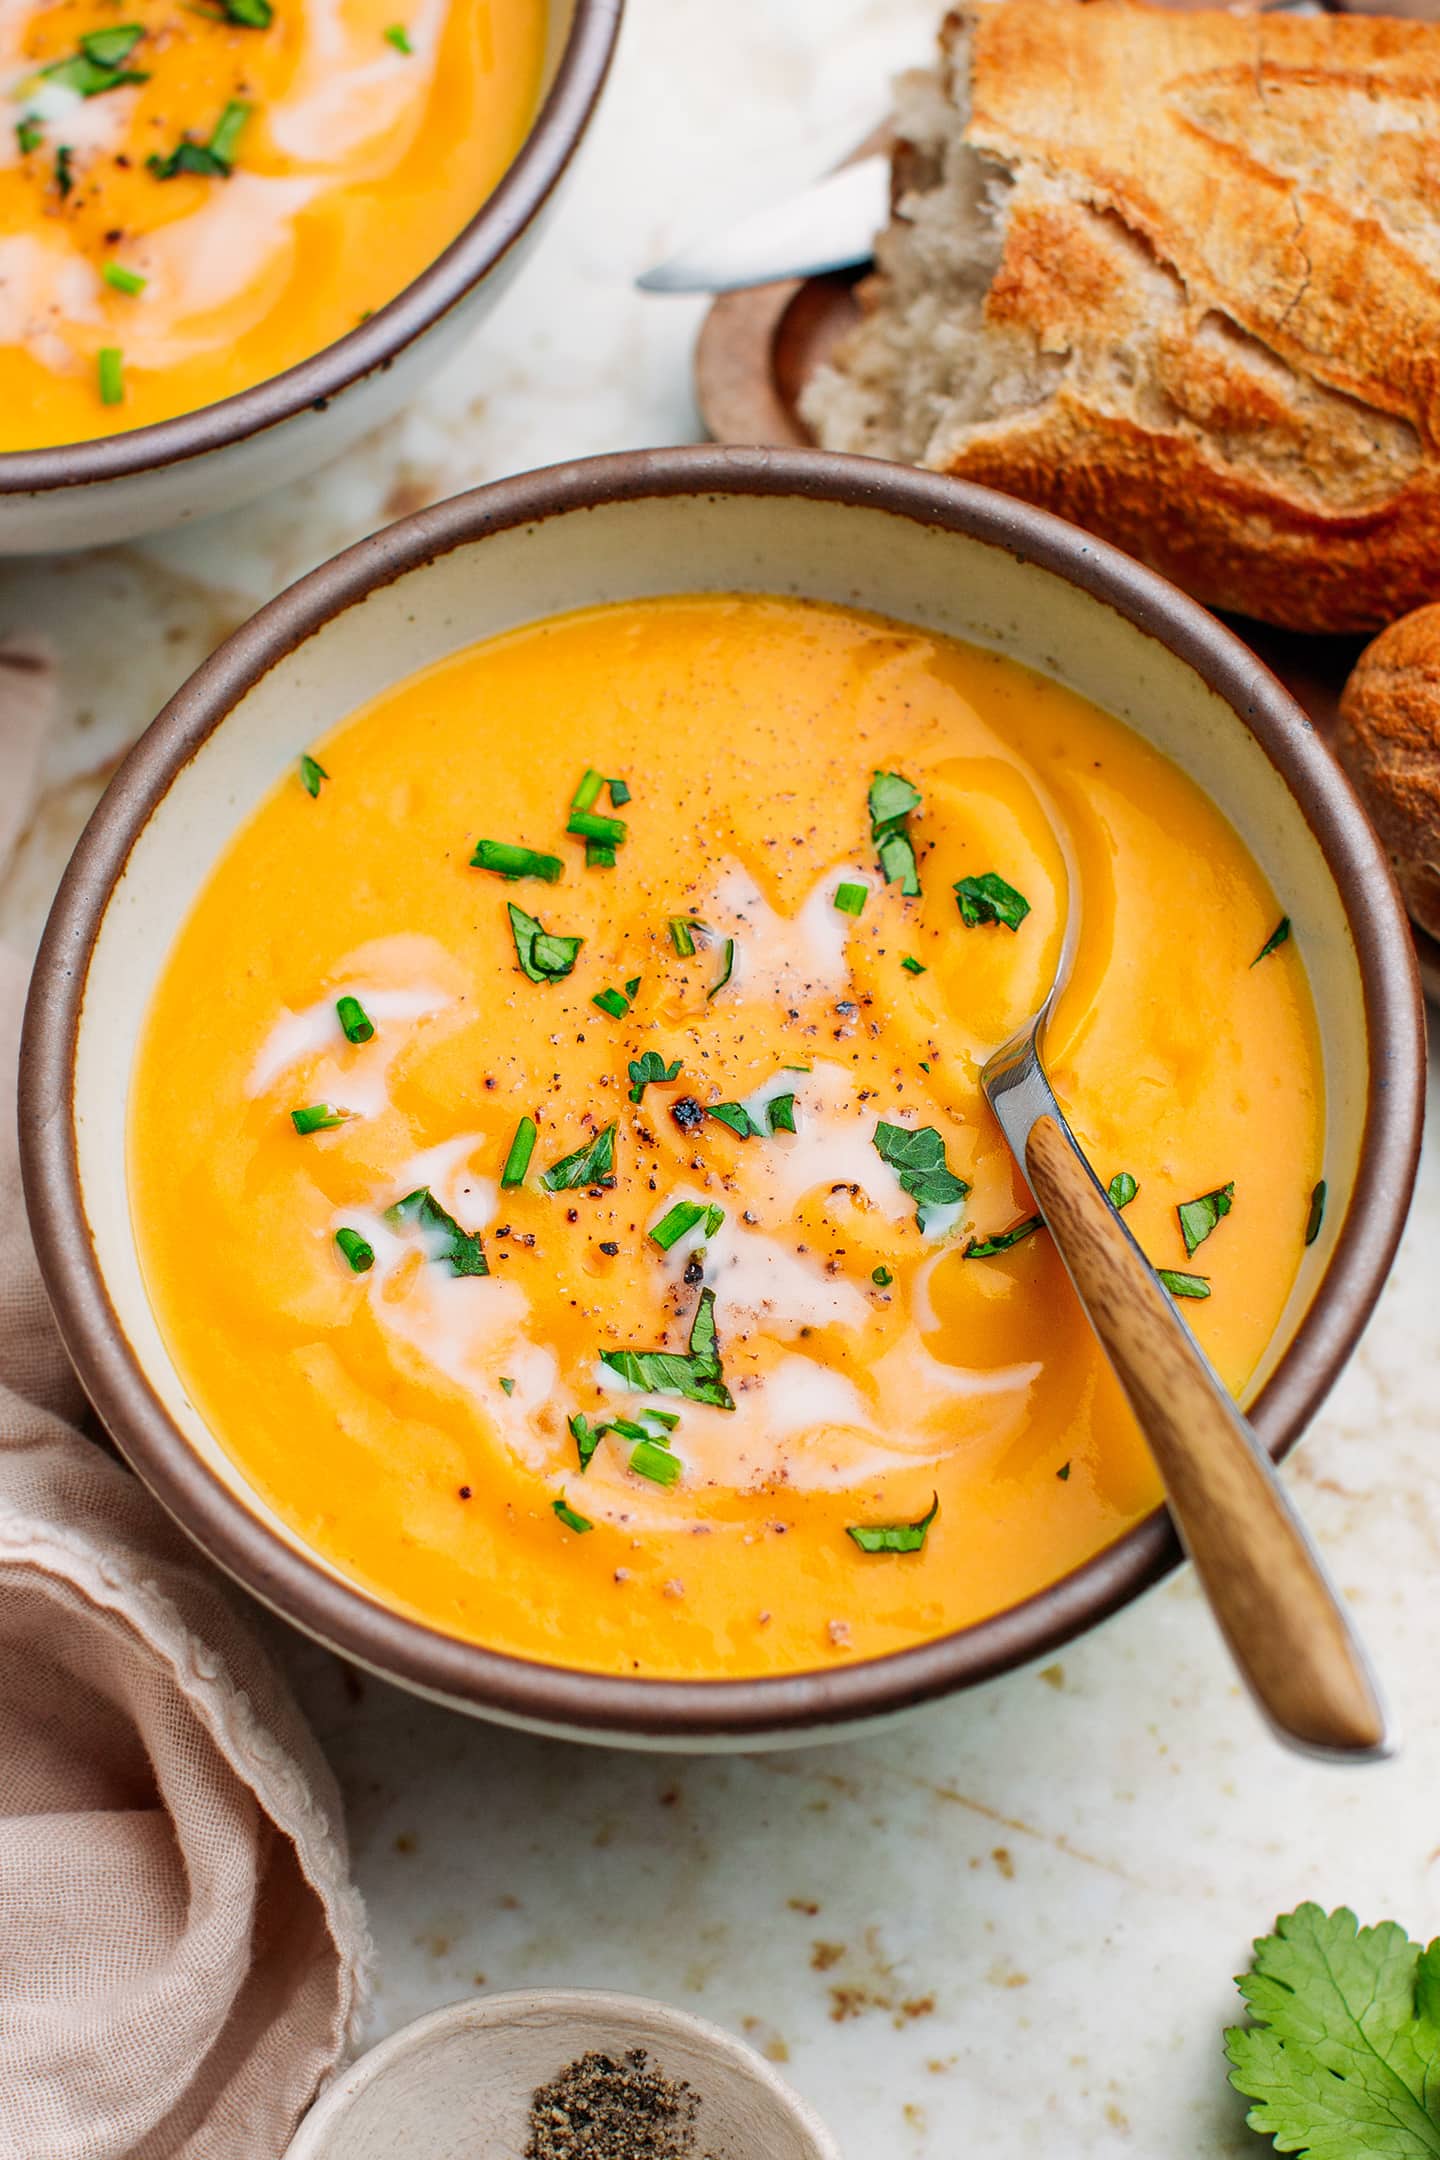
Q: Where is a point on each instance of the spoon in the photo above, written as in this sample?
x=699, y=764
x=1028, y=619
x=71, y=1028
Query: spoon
x=1281, y=1617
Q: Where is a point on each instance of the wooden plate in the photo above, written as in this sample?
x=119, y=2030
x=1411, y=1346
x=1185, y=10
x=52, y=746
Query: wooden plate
x=758, y=349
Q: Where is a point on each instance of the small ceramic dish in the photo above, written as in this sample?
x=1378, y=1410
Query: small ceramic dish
x=951, y=557
x=458, y=2085
x=89, y=494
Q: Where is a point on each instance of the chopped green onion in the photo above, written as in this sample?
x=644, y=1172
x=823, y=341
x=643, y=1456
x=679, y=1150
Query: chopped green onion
x=1317, y=1213
x=121, y=280
x=522, y=1147
x=881, y=1277
x=918, y=1160
x=64, y=170
x=696, y=1376
x=320, y=1117
x=912, y=966
x=989, y=899
x=543, y=956
x=590, y=1165
x=613, y=1002
x=248, y=14
x=587, y=794
x=892, y=798
x=1199, y=1217
x=673, y=1225
x=512, y=862
x=682, y=937
x=599, y=855
x=229, y=127
x=398, y=36
x=652, y=1459
x=737, y=1117
x=780, y=1113
x=357, y=1250
x=355, y=1023
x=633, y=985
x=1192, y=1286
x=312, y=772
x=986, y=1248
x=587, y=1437
x=590, y=825
x=619, y=794
x=1272, y=943
x=649, y=1068
x=1063, y=1473
x=29, y=135
x=894, y=1537
x=578, y=1523
x=97, y=65
x=465, y=1249
x=508, y=1385
x=850, y=899
x=112, y=375
x=727, y=969
x=1123, y=1189
x=797, y=1068
x=713, y=1218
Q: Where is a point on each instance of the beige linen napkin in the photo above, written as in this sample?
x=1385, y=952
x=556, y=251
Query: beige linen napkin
x=182, y=1956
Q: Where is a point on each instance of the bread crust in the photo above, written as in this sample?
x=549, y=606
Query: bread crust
x=1389, y=743
x=1225, y=231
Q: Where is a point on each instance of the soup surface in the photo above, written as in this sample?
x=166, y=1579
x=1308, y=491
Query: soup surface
x=765, y=1278
x=197, y=194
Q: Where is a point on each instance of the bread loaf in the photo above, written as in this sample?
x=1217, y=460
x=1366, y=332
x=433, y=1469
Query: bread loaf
x=1176, y=276
x=1389, y=743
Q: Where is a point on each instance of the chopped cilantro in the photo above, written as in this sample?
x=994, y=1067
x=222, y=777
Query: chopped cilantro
x=894, y=1537
x=462, y=1248
x=397, y=35
x=697, y=1376
x=912, y=966
x=1199, y=1217
x=737, y=1117
x=1317, y=1213
x=578, y=1523
x=727, y=969
x=1180, y=1285
x=648, y=1069
x=1275, y=940
x=989, y=899
x=1123, y=1189
x=543, y=956
x=892, y=798
x=590, y=1165
x=312, y=772
x=619, y=794
x=986, y=1248
x=780, y=1113
x=918, y=1160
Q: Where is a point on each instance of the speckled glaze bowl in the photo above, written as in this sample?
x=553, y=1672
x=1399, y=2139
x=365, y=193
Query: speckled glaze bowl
x=457, y=2085
x=950, y=557
x=89, y=494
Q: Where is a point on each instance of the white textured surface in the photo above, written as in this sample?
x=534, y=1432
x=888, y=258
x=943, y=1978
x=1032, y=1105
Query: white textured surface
x=1009, y=1926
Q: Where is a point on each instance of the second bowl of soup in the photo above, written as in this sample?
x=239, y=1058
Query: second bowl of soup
x=551, y=1240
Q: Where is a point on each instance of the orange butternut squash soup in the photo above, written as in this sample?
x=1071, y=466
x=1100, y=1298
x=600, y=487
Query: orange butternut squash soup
x=197, y=194
x=559, y=1160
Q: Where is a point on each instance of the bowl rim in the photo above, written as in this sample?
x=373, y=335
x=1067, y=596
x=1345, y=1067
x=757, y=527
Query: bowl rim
x=692, y=1712
x=508, y=2007
x=551, y=141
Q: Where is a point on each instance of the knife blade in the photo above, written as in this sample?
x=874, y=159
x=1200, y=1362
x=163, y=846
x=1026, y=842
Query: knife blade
x=828, y=226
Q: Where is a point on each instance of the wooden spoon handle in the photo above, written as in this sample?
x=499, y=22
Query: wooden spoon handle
x=1287, y=1631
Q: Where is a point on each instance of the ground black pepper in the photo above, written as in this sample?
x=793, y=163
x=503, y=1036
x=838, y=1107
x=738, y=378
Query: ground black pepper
x=608, y=2107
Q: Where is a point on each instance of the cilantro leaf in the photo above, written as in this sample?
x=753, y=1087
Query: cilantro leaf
x=986, y=1248
x=918, y=1160
x=1342, y=2055
x=894, y=1537
x=648, y=1067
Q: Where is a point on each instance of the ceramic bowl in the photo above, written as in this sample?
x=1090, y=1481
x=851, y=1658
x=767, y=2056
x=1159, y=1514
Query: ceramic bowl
x=458, y=2085
x=950, y=557
x=89, y=494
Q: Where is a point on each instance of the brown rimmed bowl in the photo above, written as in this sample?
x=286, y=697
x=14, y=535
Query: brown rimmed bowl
x=951, y=557
x=90, y=494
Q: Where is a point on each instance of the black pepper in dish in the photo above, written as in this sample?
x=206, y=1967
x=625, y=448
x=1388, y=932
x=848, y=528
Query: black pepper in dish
x=607, y=2107
x=687, y=1113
